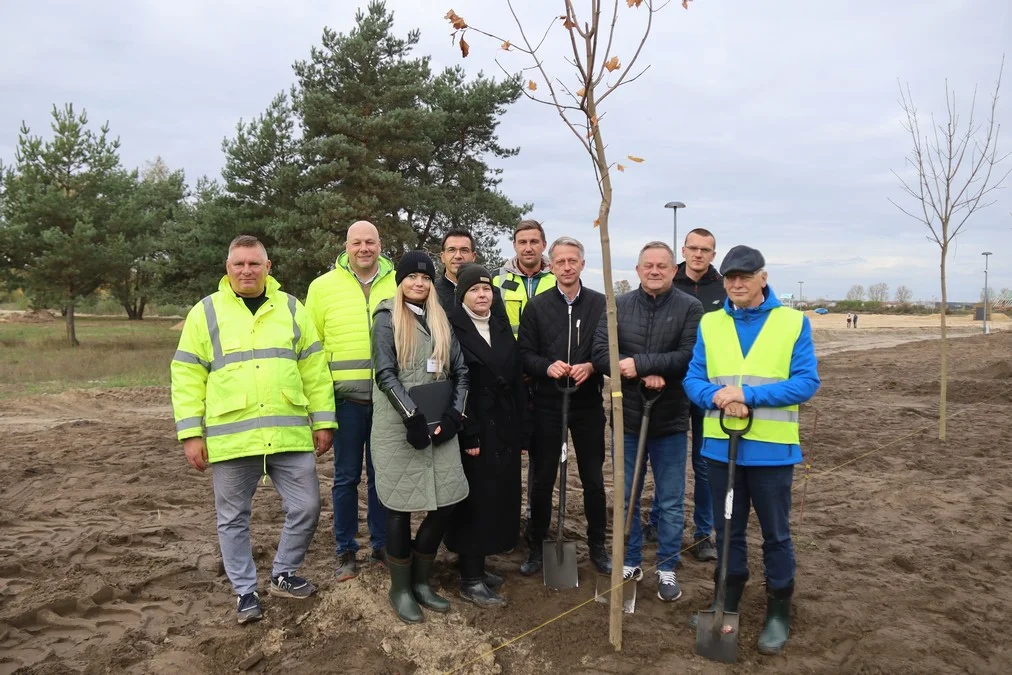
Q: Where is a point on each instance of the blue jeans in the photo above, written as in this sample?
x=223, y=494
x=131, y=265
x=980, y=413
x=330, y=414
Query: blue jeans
x=354, y=424
x=767, y=489
x=702, y=512
x=667, y=457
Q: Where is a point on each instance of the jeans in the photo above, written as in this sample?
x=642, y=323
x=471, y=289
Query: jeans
x=702, y=512
x=235, y=482
x=354, y=424
x=587, y=427
x=667, y=457
x=767, y=489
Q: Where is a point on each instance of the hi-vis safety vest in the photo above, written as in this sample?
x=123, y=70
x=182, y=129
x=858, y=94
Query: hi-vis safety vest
x=768, y=361
x=514, y=293
x=250, y=384
x=343, y=319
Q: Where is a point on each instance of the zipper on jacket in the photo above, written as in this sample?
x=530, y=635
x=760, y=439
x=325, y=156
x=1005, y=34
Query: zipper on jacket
x=400, y=403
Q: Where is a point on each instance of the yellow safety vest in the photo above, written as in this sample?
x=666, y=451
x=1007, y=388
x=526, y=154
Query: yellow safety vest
x=768, y=361
x=514, y=293
x=250, y=384
x=343, y=319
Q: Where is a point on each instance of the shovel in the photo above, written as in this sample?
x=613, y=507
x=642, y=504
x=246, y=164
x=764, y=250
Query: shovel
x=717, y=630
x=560, y=556
x=603, y=581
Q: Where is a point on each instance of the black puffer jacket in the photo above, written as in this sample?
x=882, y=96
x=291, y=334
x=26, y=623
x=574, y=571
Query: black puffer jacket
x=544, y=327
x=709, y=290
x=659, y=333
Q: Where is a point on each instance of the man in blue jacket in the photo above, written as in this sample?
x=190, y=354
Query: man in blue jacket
x=755, y=355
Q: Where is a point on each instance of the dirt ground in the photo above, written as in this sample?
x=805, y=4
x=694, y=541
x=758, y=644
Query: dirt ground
x=109, y=562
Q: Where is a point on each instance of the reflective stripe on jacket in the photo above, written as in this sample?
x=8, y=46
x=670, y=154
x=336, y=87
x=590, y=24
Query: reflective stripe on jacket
x=517, y=290
x=767, y=362
x=343, y=319
x=251, y=384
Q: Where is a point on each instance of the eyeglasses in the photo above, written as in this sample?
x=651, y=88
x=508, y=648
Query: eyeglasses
x=742, y=276
x=697, y=249
x=454, y=251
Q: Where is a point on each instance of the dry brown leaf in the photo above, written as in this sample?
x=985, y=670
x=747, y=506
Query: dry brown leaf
x=456, y=20
x=597, y=221
x=612, y=64
x=506, y=45
x=685, y=4
x=532, y=85
x=465, y=48
x=633, y=158
x=567, y=23
x=634, y=3
x=593, y=120
x=580, y=92
x=620, y=167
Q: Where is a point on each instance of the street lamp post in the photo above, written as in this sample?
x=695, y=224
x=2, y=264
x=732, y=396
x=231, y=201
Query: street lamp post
x=674, y=206
x=985, y=254
x=801, y=292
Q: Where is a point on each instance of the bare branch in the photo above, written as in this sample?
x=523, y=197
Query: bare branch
x=636, y=55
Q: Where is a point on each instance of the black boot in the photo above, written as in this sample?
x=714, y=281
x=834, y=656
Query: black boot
x=732, y=596
x=421, y=570
x=476, y=591
x=778, y=620
x=535, y=555
x=401, y=598
x=493, y=581
x=599, y=556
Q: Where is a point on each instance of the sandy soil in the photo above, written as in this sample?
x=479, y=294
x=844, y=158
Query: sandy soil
x=109, y=563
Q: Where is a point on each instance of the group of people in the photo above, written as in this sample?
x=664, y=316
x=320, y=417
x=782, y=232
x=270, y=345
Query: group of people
x=438, y=382
x=851, y=319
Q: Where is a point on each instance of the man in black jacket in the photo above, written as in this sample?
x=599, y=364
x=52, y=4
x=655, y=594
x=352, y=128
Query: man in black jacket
x=556, y=335
x=698, y=277
x=456, y=251
x=657, y=327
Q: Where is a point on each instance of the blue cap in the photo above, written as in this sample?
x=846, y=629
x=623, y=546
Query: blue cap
x=742, y=259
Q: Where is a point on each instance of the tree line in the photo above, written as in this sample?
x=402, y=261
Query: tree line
x=366, y=131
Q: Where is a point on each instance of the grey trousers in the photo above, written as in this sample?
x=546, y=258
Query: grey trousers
x=235, y=482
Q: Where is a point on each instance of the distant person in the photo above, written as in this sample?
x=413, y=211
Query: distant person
x=855, y=319
x=458, y=250
x=494, y=432
x=251, y=396
x=418, y=467
x=850, y=318
x=755, y=355
x=657, y=327
x=341, y=303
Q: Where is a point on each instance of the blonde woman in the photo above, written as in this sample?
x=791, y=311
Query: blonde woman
x=416, y=470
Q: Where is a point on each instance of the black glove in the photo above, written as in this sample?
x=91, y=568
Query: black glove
x=448, y=427
x=418, y=431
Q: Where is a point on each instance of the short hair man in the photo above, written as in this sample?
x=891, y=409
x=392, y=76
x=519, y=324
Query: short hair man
x=528, y=274
x=656, y=330
x=457, y=250
x=756, y=357
x=341, y=303
x=556, y=334
x=251, y=396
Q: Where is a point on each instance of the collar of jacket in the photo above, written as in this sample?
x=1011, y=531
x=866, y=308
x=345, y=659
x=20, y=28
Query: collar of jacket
x=513, y=265
x=711, y=275
x=272, y=286
x=769, y=303
x=386, y=266
x=654, y=301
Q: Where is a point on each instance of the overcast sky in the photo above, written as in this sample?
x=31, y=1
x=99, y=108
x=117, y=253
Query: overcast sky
x=777, y=123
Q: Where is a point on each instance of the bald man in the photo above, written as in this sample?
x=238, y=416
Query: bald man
x=341, y=303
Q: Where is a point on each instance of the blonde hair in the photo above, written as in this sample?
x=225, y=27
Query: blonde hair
x=405, y=338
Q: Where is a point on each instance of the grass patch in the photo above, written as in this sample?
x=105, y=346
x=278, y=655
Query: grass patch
x=36, y=359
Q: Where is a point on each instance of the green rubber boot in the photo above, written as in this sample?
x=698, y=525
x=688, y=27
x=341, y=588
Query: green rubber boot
x=401, y=598
x=732, y=598
x=778, y=621
x=421, y=569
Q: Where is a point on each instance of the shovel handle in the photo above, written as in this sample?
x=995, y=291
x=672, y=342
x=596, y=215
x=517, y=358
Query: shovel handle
x=725, y=549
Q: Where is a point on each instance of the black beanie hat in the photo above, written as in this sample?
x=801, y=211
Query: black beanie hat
x=469, y=275
x=415, y=261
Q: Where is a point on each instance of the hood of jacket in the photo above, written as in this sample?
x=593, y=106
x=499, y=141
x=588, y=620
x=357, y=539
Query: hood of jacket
x=710, y=276
x=513, y=265
x=768, y=304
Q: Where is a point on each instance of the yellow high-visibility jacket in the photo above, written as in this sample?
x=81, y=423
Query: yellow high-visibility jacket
x=517, y=290
x=250, y=384
x=343, y=319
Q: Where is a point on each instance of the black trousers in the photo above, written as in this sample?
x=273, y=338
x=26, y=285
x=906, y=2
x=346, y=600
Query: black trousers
x=587, y=428
x=430, y=532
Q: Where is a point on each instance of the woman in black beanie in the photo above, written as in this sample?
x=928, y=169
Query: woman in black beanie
x=494, y=431
x=417, y=466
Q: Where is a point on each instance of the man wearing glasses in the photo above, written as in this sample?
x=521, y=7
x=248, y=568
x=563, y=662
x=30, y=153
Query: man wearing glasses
x=458, y=250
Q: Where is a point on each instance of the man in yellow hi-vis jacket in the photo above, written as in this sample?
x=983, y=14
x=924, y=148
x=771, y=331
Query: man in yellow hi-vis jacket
x=251, y=395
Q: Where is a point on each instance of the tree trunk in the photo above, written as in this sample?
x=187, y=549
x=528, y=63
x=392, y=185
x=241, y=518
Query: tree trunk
x=944, y=378
x=71, y=328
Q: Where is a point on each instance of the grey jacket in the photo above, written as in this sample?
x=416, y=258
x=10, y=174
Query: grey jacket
x=408, y=479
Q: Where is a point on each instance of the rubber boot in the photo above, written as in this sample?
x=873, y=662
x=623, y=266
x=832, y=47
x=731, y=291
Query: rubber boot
x=421, y=569
x=778, y=620
x=401, y=598
x=732, y=597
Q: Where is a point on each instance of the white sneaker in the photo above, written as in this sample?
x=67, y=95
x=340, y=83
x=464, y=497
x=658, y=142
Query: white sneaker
x=631, y=573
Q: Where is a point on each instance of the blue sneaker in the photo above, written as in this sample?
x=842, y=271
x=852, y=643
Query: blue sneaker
x=248, y=608
x=291, y=586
